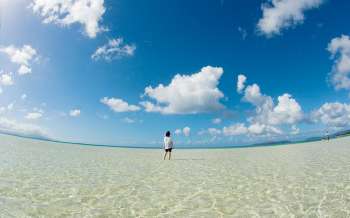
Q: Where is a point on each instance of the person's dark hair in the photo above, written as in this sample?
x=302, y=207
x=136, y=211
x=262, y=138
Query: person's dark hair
x=167, y=134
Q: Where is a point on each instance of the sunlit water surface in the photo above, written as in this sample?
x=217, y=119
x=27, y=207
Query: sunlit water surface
x=45, y=179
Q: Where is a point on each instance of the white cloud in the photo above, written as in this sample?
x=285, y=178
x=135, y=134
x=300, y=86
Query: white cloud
x=178, y=132
x=6, y=79
x=23, y=69
x=74, y=113
x=1, y=90
x=268, y=116
x=252, y=94
x=236, y=129
x=114, y=49
x=186, y=131
x=287, y=111
x=128, y=120
x=12, y=126
x=187, y=94
x=21, y=56
x=150, y=107
x=214, y=131
x=33, y=115
x=332, y=114
x=263, y=129
x=282, y=14
x=340, y=50
x=10, y=106
x=67, y=12
x=118, y=105
x=23, y=96
x=294, y=130
x=253, y=129
x=216, y=121
x=240, y=82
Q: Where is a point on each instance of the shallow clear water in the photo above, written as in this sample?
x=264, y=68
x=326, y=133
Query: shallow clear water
x=44, y=179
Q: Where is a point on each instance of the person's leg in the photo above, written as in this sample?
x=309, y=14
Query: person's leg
x=165, y=154
x=169, y=154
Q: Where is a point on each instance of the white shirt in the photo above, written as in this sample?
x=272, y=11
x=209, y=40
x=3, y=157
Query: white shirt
x=168, y=143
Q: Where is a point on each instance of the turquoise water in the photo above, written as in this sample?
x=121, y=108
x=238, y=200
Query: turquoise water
x=45, y=179
x=192, y=146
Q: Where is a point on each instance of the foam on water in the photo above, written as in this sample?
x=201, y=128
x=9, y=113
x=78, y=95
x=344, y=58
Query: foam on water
x=43, y=179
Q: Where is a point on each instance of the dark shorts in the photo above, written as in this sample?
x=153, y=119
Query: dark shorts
x=168, y=149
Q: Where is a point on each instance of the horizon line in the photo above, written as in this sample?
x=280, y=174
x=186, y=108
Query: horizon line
x=262, y=144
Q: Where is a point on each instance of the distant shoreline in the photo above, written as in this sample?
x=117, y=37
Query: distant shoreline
x=268, y=144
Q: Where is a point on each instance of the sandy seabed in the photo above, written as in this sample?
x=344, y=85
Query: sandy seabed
x=46, y=179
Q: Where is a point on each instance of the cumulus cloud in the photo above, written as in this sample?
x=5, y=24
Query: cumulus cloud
x=340, y=50
x=268, y=116
x=23, y=96
x=263, y=129
x=332, y=114
x=74, y=113
x=114, y=49
x=210, y=131
x=187, y=94
x=287, y=110
x=236, y=129
x=150, y=107
x=216, y=121
x=294, y=130
x=178, y=132
x=253, y=95
x=240, y=82
x=21, y=56
x=33, y=115
x=27, y=129
x=6, y=79
x=24, y=70
x=186, y=131
x=119, y=105
x=254, y=129
x=67, y=12
x=282, y=14
x=214, y=131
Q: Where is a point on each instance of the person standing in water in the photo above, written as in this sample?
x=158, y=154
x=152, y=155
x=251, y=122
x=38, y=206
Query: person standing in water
x=327, y=135
x=168, y=144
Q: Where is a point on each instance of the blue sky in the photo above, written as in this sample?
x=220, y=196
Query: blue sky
x=299, y=60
